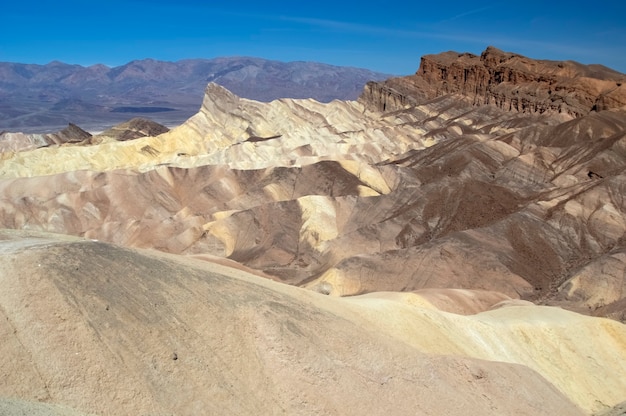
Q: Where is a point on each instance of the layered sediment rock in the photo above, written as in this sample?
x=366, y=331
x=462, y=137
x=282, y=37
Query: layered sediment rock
x=499, y=201
x=244, y=134
x=133, y=129
x=506, y=80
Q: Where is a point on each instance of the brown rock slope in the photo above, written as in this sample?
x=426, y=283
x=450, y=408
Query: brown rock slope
x=107, y=330
x=132, y=129
x=487, y=212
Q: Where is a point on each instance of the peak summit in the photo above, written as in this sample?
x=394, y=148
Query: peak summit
x=216, y=95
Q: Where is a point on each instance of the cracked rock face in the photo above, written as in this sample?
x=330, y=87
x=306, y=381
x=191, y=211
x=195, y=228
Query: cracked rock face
x=506, y=80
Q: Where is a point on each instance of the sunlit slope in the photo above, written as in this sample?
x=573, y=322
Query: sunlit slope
x=241, y=134
x=109, y=330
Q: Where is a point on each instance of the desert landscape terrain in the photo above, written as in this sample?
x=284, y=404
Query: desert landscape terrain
x=451, y=242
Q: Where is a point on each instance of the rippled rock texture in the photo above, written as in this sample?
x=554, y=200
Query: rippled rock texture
x=347, y=201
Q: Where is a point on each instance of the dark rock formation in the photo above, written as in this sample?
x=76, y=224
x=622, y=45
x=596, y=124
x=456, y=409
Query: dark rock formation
x=21, y=141
x=134, y=129
x=71, y=134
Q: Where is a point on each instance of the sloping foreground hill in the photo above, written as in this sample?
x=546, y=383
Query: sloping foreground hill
x=108, y=330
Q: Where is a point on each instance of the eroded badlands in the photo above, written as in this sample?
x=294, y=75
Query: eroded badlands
x=471, y=239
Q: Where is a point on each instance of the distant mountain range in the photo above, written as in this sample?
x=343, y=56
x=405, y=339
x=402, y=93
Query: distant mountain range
x=38, y=98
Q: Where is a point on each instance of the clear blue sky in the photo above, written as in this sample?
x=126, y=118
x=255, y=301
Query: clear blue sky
x=383, y=36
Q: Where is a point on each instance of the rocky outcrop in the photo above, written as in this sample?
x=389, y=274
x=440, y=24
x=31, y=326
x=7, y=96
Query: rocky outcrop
x=506, y=80
x=129, y=130
x=394, y=94
x=71, y=134
x=14, y=142
x=133, y=129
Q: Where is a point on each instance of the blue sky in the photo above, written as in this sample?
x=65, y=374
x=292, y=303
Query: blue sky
x=383, y=36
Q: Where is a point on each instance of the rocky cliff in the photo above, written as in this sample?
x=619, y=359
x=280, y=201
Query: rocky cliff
x=506, y=80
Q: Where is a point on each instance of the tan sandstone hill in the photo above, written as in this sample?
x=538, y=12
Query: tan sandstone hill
x=147, y=333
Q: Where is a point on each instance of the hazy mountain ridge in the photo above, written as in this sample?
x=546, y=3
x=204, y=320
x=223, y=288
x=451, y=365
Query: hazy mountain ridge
x=35, y=97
